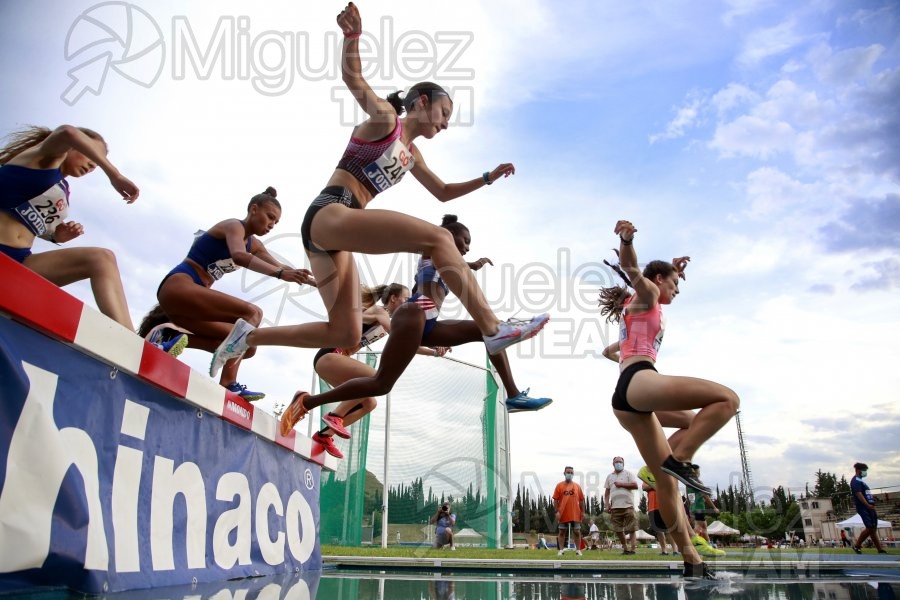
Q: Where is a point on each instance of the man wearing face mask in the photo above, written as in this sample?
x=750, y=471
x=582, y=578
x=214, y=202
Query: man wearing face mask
x=569, y=501
x=619, y=497
x=865, y=506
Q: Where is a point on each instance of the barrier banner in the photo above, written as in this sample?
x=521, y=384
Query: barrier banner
x=108, y=483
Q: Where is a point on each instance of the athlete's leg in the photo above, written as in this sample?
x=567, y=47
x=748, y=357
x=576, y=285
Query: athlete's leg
x=337, y=369
x=650, y=391
x=651, y=443
x=338, y=284
x=372, y=231
x=69, y=265
x=680, y=420
x=407, y=325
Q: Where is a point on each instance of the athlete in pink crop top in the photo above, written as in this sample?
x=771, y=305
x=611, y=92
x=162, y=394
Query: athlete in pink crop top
x=641, y=334
x=641, y=391
x=334, y=225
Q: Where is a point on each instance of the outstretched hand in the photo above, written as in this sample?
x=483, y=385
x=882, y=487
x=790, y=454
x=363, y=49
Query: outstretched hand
x=480, y=263
x=441, y=350
x=349, y=20
x=502, y=170
x=625, y=230
x=126, y=187
x=680, y=265
x=300, y=276
x=65, y=232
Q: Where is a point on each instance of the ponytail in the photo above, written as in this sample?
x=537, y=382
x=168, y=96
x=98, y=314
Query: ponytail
x=432, y=90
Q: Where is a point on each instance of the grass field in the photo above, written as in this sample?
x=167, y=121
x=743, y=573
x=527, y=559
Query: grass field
x=754, y=554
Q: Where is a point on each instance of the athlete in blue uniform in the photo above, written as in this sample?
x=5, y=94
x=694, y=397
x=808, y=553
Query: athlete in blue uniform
x=34, y=202
x=185, y=297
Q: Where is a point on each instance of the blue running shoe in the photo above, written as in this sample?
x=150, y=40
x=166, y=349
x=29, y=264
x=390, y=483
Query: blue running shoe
x=243, y=392
x=522, y=402
x=169, y=340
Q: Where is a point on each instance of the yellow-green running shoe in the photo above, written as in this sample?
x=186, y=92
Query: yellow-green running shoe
x=647, y=477
x=703, y=547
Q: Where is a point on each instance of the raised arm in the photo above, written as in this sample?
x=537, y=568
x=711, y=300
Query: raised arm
x=351, y=69
x=645, y=290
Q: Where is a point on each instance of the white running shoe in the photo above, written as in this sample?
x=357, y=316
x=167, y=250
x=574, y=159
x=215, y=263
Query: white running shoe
x=234, y=346
x=512, y=331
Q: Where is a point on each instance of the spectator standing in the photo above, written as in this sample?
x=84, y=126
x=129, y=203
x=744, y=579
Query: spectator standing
x=569, y=501
x=619, y=497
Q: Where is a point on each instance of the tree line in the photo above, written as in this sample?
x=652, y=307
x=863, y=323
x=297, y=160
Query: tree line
x=771, y=518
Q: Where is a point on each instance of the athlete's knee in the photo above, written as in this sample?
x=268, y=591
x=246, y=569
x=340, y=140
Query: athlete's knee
x=731, y=400
x=252, y=314
x=439, y=237
x=369, y=404
x=381, y=387
x=102, y=260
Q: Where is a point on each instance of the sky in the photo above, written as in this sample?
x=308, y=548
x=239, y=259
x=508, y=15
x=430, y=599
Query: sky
x=758, y=137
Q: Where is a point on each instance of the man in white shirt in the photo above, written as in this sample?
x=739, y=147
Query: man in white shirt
x=619, y=498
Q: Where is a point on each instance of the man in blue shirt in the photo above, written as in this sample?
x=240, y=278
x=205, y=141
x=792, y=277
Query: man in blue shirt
x=865, y=506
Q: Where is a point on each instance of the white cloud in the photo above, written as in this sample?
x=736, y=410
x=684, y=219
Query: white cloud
x=768, y=42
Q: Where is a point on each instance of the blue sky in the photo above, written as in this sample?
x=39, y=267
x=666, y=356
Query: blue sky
x=759, y=137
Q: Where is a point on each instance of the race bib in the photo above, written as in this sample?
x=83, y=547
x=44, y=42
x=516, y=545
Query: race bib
x=373, y=335
x=43, y=213
x=218, y=269
x=389, y=168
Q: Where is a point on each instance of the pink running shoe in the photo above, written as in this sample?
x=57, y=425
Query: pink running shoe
x=336, y=424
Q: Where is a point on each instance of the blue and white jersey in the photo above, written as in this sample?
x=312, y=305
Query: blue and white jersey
x=37, y=198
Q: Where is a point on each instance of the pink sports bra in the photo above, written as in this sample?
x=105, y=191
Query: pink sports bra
x=378, y=165
x=642, y=334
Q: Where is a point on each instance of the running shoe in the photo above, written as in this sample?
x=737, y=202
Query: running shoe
x=698, y=571
x=168, y=340
x=336, y=424
x=578, y=552
x=703, y=547
x=243, y=392
x=523, y=402
x=512, y=331
x=233, y=346
x=686, y=473
x=647, y=477
x=293, y=414
x=857, y=549
x=328, y=444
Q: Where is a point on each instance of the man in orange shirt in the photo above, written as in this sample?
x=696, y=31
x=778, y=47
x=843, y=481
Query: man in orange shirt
x=569, y=501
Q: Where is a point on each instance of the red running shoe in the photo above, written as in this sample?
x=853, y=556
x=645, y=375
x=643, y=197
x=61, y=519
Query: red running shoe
x=328, y=444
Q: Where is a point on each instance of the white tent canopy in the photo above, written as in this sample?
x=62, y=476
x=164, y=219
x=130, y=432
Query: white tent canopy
x=720, y=528
x=468, y=532
x=856, y=521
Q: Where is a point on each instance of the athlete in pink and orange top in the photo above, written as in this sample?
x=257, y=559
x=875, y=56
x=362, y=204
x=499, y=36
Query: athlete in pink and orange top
x=641, y=390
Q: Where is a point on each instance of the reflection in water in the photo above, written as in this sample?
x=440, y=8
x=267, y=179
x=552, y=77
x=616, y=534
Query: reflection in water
x=343, y=585
x=346, y=586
